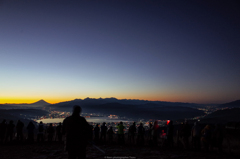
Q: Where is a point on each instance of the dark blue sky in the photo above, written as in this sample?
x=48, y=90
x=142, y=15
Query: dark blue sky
x=186, y=51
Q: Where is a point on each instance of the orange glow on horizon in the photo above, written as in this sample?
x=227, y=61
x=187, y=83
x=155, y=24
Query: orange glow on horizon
x=28, y=101
x=54, y=100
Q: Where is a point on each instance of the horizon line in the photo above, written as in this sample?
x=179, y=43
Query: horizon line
x=107, y=98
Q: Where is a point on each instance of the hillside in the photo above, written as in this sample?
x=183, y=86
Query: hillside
x=21, y=114
x=234, y=104
x=223, y=116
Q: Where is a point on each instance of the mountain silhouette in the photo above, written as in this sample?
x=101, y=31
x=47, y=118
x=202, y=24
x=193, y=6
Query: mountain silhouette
x=40, y=103
x=234, y=104
x=93, y=101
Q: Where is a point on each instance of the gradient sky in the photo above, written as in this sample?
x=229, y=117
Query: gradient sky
x=178, y=51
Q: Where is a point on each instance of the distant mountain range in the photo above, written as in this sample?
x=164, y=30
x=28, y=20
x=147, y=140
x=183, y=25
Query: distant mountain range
x=234, y=104
x=130, y=108
x=135, y=109
x=93, y=101
x=142, y=108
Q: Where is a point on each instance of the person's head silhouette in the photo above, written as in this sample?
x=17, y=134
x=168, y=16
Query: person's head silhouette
x=77, y=110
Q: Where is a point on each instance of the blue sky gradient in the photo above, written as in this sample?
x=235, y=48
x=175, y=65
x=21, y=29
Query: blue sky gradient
x=180, y=51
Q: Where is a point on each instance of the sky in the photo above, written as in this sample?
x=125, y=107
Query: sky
x=158, y=50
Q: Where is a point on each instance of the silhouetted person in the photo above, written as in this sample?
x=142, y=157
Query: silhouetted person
x=110, y=133
x=196, y=136
x=206, y=137
x=217, y=137
x=91, y=129
x=103, y=131
x=131, y=133
x=10, y=131
x=3, y=128
x=150, y=133
x=40, y=135
x=77, y=132
x=96, y=133
x=19, y=128
x=140, y=135
x=155, y=133
x=186, y=133
x=50, y=131
x=59, y=131
x=170, y=130
x=121, y=133
x=30, y=129
x=179, y=135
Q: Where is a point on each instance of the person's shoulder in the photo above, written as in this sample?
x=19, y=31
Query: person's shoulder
x=67, y=119
x=83, y=119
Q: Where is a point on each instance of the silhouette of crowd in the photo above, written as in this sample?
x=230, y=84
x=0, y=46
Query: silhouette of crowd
x=10, y=133
x=79, y=133
x=197, y=136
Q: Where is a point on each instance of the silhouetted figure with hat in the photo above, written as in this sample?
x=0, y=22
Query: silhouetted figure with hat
x=30, y=129
x=19, y=129
x=3, y=128
x=103, y=132
x=40, y=135
x=59, y=131
x=50, y=131
x=10, y=131
x=77, y=132
x=96, y=133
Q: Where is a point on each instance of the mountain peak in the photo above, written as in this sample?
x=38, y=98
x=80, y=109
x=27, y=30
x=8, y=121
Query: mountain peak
x=41, y=102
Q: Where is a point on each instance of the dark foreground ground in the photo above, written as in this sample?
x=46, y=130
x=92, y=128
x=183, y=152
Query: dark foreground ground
x=55, y=150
